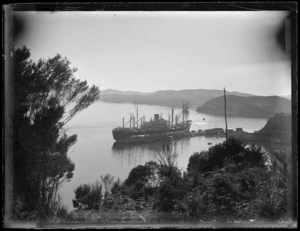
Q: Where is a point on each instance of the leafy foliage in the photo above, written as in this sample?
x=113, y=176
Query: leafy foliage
x=246, y=195
x=88, y=196
x=116, y=186
x=172, y=187
x=143, y=173
x=107, y=182
x=240, y=187
x=62, y=212
x=168, y=154
x=142, y=180
x=47, y=96
x=231, y=153
x=232, y=181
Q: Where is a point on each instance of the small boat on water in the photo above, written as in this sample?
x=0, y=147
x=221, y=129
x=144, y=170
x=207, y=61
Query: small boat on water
x=209, y=143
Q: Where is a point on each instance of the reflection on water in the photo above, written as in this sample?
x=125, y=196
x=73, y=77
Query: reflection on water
x=121, y=147
x=131, y=155
x=155, y=146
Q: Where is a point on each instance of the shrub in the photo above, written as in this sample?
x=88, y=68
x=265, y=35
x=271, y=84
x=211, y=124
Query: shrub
x=88, y=196
x=248, y=194
x=232, y=154
x=142, y=180
x=107, y=181
x=116, y=186
x=171, y=188
x=62, y=212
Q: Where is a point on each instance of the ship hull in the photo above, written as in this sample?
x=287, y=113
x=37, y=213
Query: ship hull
x=152, y=138
x=126, y=135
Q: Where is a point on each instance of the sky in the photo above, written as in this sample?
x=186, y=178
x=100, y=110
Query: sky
x=150, y=51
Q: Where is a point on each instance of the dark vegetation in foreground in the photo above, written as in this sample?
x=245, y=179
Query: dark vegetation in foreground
x=47, y=96
x=229, y=182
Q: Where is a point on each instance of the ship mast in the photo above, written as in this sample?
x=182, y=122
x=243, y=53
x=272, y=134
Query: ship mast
x=137, y=117
x=172, y=115
x=225, y=114
x=182, y=112
x=133, y=120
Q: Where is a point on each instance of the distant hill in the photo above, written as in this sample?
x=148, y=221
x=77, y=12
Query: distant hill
x=171, y=98
x=251, y=106
x=278, y=127
x=287, y=96
x=118, y=92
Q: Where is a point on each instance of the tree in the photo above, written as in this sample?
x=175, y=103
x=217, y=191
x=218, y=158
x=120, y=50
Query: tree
x=107, y=182
x=232, y=181
x=171, y=185
x=168, y=155
x=47, y=96
x=143, y=180
x=88, y=196
x=232, y=153
x=195, y=167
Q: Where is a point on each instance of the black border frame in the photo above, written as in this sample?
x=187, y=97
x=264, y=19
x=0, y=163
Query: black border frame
x=8, y=97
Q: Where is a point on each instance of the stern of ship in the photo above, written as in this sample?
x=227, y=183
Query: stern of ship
x=121, y=133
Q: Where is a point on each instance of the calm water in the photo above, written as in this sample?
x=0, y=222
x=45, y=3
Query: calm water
x=96, y=153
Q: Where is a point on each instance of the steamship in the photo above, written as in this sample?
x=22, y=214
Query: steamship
x=156, y=129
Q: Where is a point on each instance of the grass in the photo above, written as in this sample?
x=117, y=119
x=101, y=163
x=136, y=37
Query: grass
x=105, y=216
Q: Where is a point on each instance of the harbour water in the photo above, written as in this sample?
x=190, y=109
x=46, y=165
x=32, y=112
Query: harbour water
x=96, y=152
